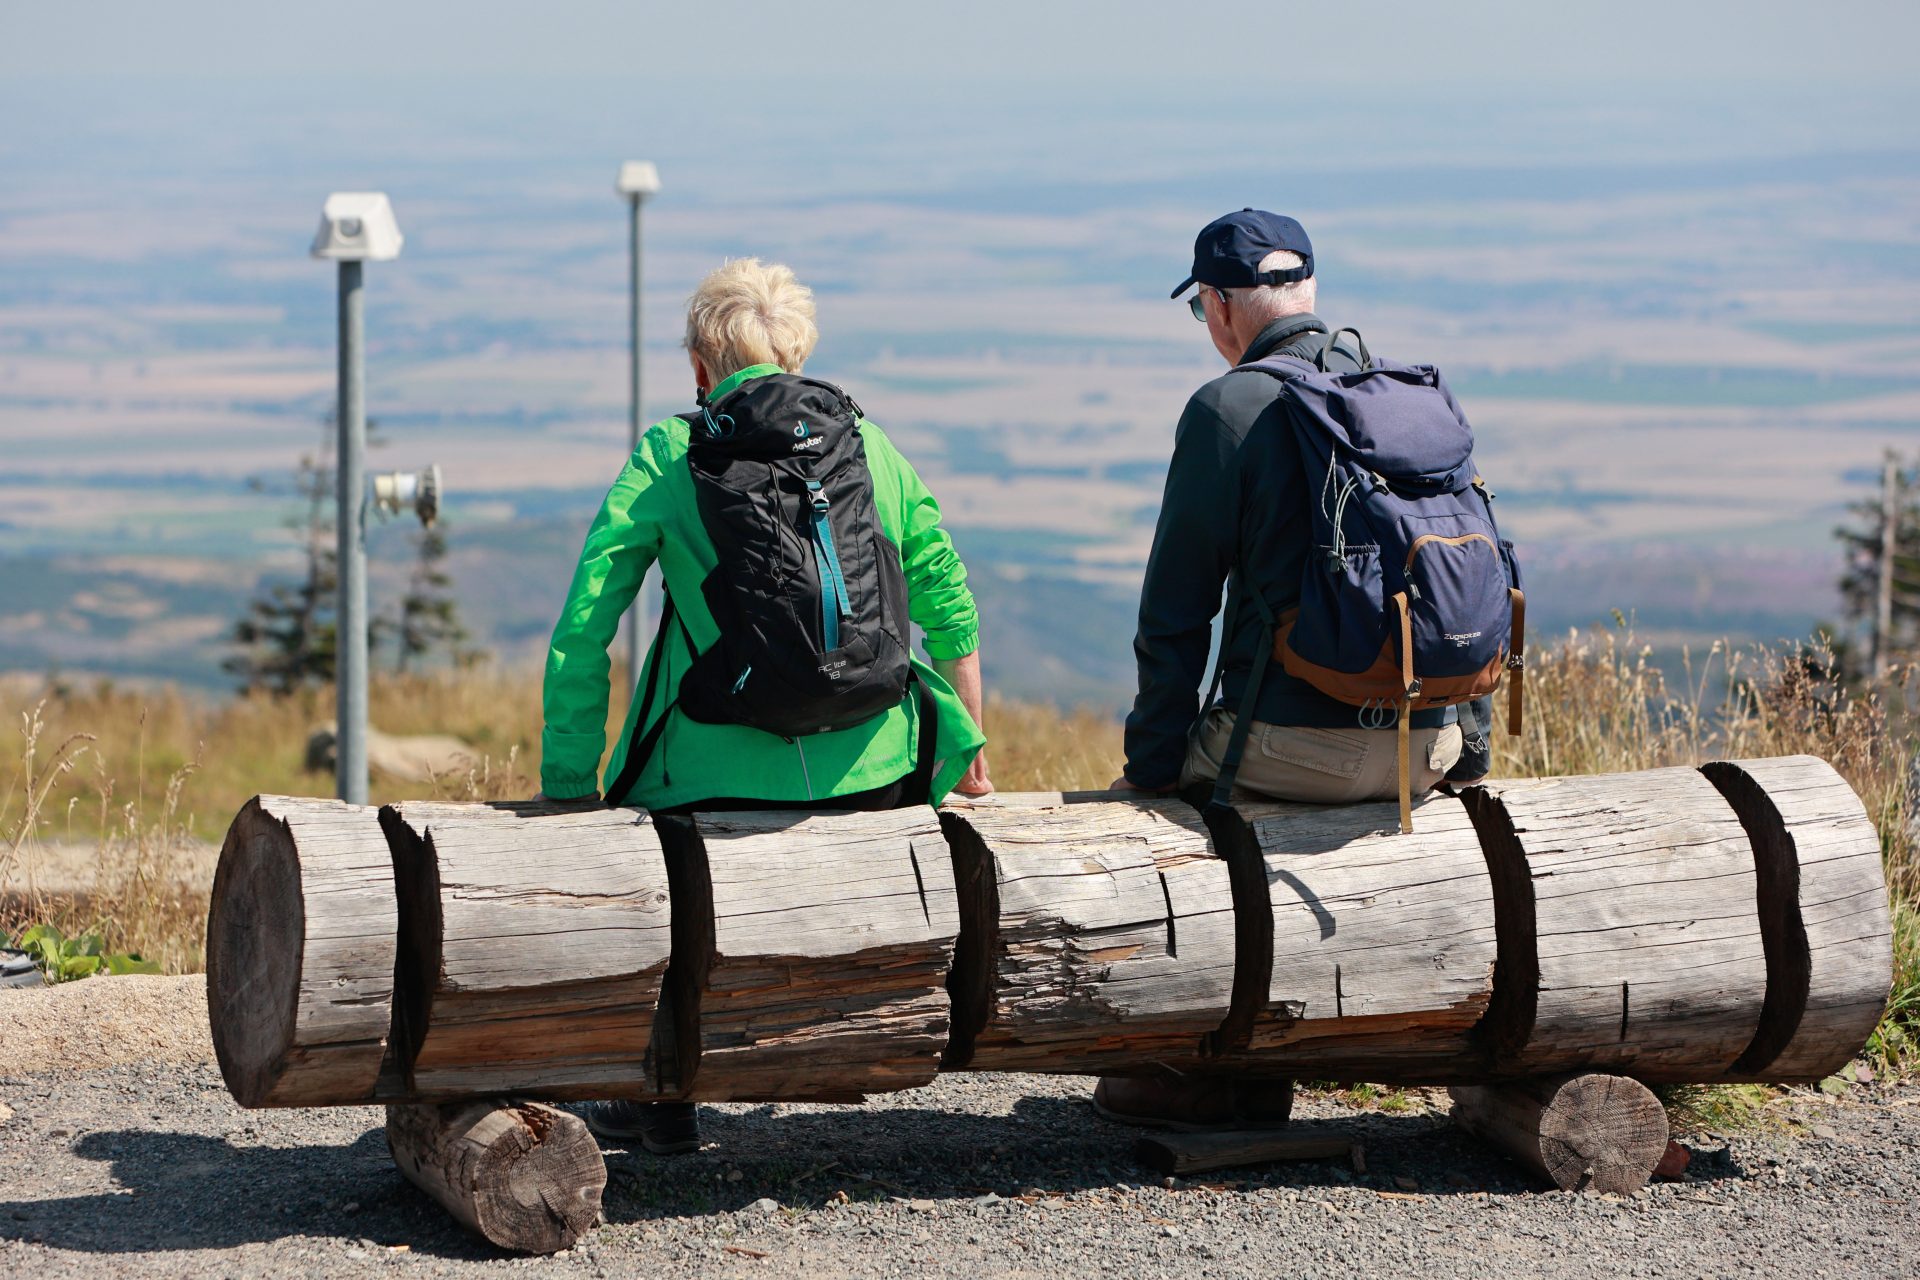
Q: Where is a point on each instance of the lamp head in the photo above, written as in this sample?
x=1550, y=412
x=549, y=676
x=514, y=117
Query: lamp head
x=638, y=179
x=357, y=226
x=395, y=491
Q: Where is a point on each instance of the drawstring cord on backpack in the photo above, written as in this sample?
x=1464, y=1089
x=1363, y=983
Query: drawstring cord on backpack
x=712, y=424
x=1337, y=555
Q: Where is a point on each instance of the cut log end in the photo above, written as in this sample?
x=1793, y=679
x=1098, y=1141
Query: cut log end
x=522, y=1175
x=1591, y=1132
x=300, y=953
x=254, y=935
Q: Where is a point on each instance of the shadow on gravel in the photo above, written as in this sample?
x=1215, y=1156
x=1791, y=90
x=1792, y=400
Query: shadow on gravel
x=1047, y=1146
x=191, y=1191
x=183, y=1191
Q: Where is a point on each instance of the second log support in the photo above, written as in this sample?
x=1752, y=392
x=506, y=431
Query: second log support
x=1588, y=1132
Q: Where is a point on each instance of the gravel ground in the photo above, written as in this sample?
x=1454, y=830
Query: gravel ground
x=131, y=1019
x=153, y=1171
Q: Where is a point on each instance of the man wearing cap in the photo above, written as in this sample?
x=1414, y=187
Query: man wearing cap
x=1235, y=515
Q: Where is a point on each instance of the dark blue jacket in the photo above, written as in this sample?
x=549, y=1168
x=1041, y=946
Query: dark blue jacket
x=1234, y=514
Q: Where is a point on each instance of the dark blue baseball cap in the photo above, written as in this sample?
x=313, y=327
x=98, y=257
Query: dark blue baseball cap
x=1228, y=251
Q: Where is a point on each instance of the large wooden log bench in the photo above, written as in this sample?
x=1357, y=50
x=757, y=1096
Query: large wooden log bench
x=1672, y=925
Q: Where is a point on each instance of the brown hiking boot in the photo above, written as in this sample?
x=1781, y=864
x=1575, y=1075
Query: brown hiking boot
x=1166, y=1101
x=1262, y=1103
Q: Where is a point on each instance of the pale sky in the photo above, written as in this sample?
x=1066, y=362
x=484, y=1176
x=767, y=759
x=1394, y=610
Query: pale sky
x=787, y=46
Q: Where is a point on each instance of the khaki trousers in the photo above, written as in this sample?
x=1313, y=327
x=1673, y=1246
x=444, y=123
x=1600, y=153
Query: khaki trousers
x=1320, y=766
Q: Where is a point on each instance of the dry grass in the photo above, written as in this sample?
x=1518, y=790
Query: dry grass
x=141, y=775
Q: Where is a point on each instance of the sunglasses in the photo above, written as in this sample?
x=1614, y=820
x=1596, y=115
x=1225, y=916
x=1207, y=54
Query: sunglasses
x=1197, y=303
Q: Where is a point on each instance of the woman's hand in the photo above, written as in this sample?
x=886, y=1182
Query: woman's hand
x=577, y=802
x=976, y=783
x=963, y=674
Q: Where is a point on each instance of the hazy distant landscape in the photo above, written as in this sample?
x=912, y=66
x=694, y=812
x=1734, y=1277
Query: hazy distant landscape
x=1682, y=362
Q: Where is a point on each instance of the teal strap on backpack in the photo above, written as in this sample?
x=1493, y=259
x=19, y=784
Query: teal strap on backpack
x=833, y=583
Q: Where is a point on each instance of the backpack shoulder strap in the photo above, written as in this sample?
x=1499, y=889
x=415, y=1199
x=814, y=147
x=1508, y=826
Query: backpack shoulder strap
x=1362, y=355
x=1249, y=702
x=1285, y=368
x=640, y=747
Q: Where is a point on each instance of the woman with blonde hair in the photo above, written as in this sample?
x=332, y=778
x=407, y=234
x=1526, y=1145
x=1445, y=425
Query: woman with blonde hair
x=798, y=549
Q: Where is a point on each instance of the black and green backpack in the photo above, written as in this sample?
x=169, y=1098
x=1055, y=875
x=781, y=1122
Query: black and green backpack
x=808, y=591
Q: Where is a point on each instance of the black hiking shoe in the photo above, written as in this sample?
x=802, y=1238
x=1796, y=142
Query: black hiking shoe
x=664, y=1128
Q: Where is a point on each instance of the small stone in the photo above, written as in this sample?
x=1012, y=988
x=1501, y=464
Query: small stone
x=1168, y=1183
x=734, y=1175
x=1170, y=1232
x=6, y=1113
x=1405, y=1183
x=921, y=1206
x=765, y=1204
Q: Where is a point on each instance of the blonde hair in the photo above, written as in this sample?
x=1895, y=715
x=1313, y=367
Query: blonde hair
x=747, y=312
x=1270, y=302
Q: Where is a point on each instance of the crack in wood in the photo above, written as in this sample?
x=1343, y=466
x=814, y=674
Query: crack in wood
x=1173, y=943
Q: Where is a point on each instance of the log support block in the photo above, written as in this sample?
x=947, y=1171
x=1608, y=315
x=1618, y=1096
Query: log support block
x=522, y=1175
x=300, y=953
x=1182, y=1153
x=1589, y=1132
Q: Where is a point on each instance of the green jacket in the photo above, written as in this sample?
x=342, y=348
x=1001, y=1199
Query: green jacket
x=650, y=514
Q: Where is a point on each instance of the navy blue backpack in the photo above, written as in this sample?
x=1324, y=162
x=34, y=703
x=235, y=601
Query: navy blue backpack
x=1410, y=598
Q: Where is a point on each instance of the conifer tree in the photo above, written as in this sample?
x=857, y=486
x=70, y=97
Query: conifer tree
x=1861, y=539
x=429, y=623
x=286, y=637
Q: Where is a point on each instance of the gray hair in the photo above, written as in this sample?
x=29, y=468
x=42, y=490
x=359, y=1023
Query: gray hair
x=1270, y=302
x=747, y=312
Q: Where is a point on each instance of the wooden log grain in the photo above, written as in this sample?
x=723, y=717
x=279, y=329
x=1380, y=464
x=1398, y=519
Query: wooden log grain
x=811, y=953
x=1175, y=1153
x=1105, y=935
x=300, y=953
x=1589, y=1132
x=520, y=1174
x=1629, y=935
x=534, y=948
x=1823, y=915
x=1381, y=944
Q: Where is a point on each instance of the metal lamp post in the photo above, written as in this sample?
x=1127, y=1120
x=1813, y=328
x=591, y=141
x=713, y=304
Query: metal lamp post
x=638, y=179
x=355, y=227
